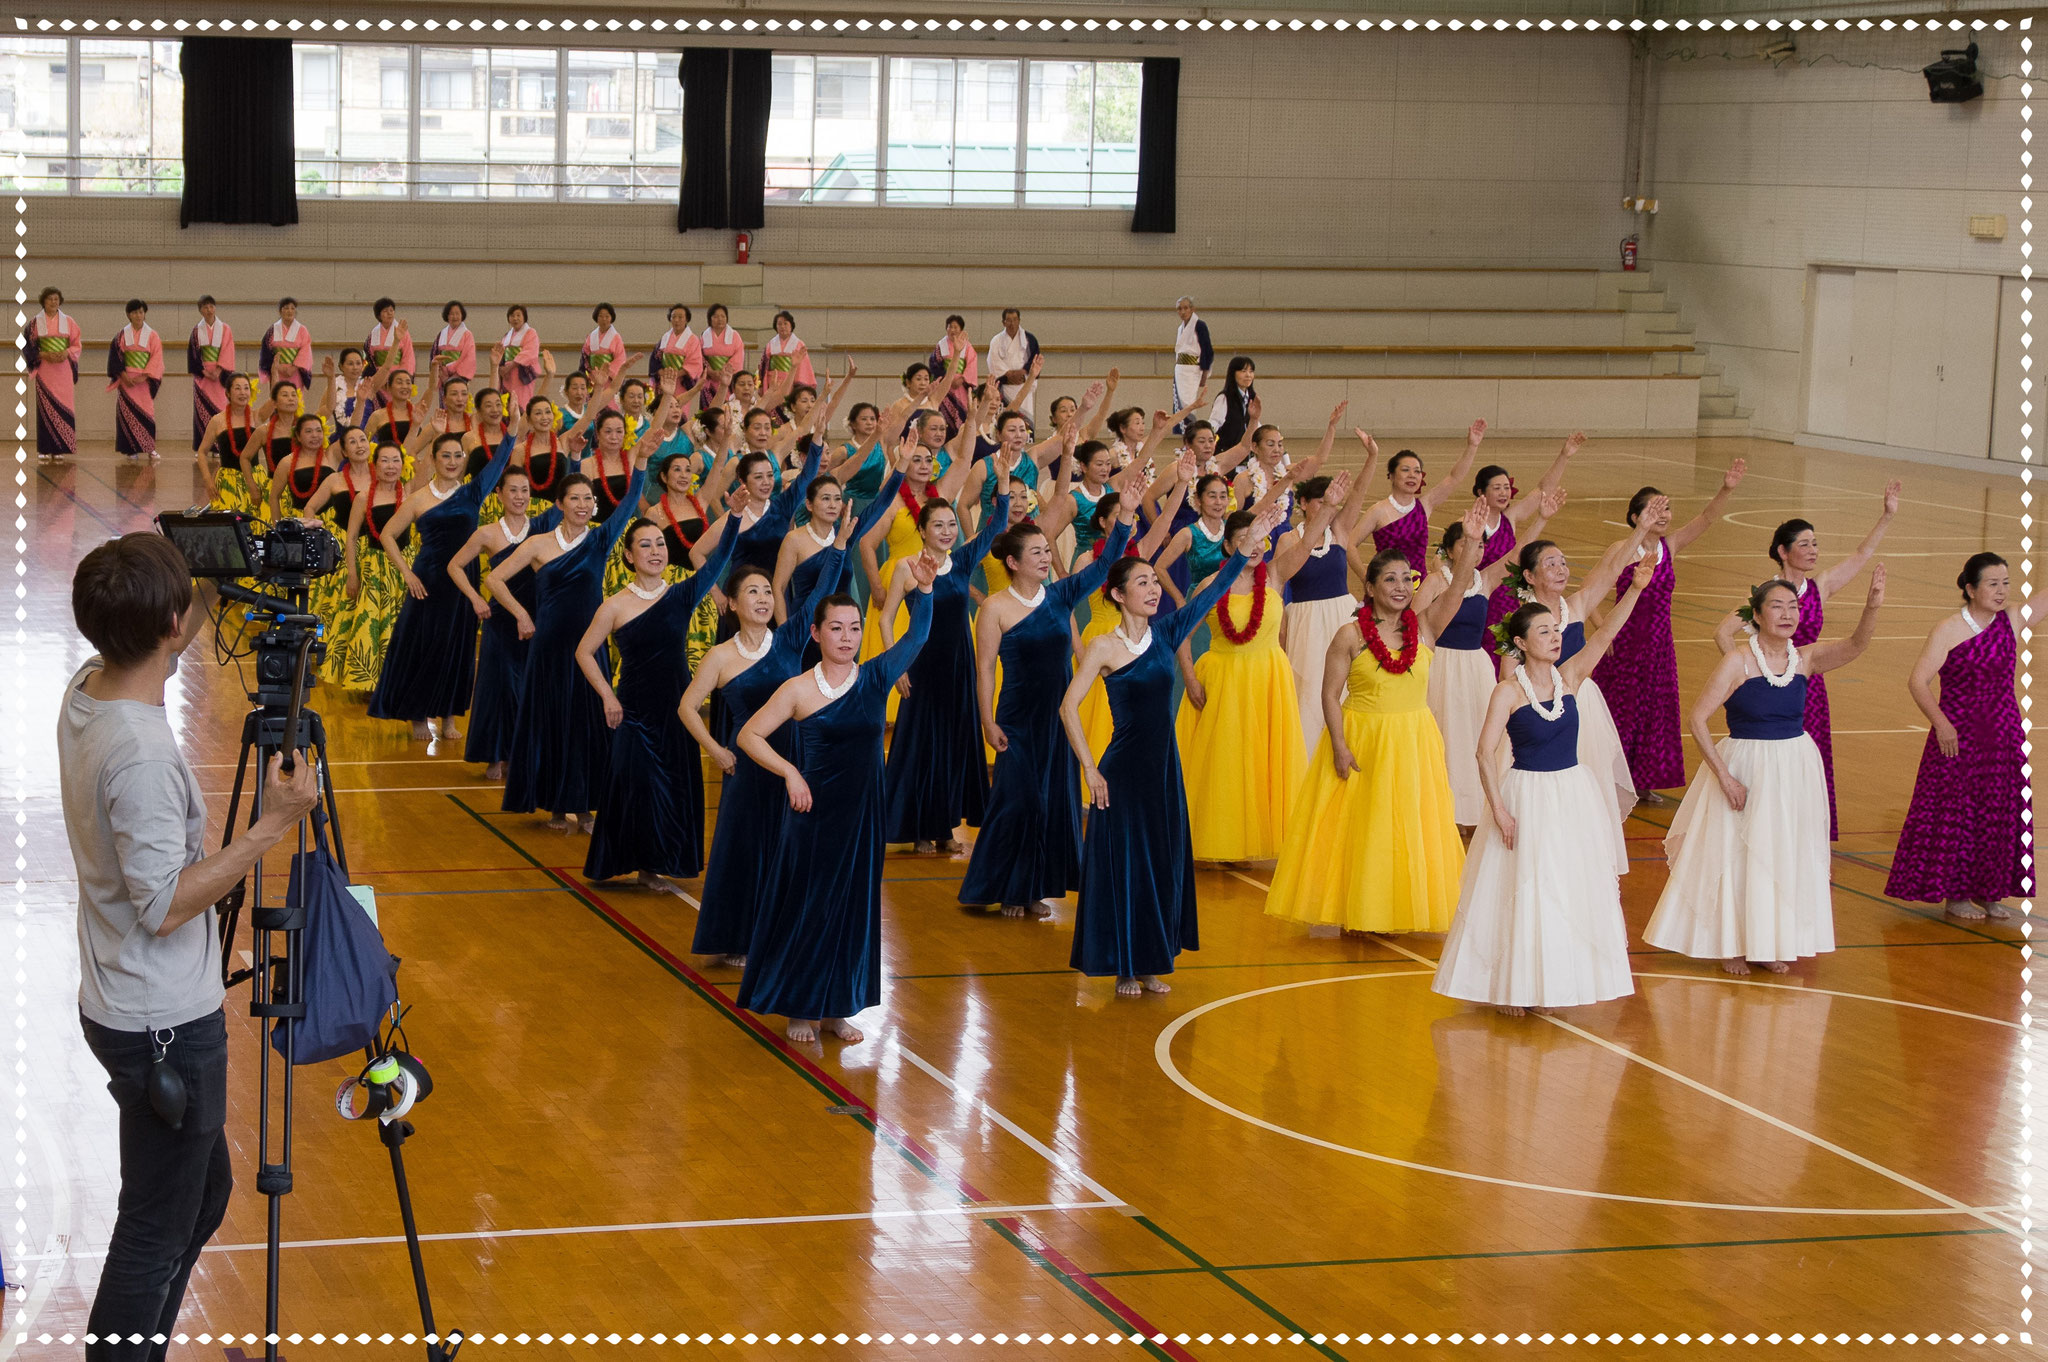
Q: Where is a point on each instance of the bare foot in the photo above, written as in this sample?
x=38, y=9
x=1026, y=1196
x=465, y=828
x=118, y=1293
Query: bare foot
x=923, y=849
x=1545, y=1011
x=1041, y=909
x=1963, y=910
x=1995, y=910
x=950, y=847
x=583, y=822
x=421, y=731
x=1653, y=799
x=845, y=1030
x=1013, y=910
x=560, y=825
x=495, y=771
x=1512, y=1011
x=1154, y=984
x=1776, y=966
x=733, y=961
x=449, y=732
x=1128, y=988
x=802, y=1032
x=1735, y=965
x=660, y=884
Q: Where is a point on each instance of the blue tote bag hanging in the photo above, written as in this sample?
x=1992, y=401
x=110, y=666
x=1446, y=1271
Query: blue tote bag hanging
x=351, y=979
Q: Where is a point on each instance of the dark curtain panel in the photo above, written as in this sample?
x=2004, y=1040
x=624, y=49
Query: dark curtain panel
x=704, y=76
x=752, y=90
x=1158, y=136
x=238, y=131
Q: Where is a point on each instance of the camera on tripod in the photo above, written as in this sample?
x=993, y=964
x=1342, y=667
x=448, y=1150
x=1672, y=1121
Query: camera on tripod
x=226, y=544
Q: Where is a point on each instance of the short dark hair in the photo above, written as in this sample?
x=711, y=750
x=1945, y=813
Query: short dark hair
x=756, y=459
x=916, y=367
x=604, y=307
x=376, y=308
x=687, y=314
x=787, y=316
x=831, y=603
x=520, y=308
x=286, y=301
x=348, y=350
x=128, y=594
x=1013, y=312
x=953, y=318
x=136, y=305
x=1010, y=543
x=450, y=306
x=206, y=298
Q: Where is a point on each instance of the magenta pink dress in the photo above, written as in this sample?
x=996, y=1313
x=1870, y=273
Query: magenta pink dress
x=1503, y=601
x=1639, y=677
x=1408, y=534
x=1963, y=828
x=1812, y=615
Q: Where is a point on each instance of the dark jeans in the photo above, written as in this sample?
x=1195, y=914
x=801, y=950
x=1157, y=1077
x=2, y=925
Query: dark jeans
x=174, y=1184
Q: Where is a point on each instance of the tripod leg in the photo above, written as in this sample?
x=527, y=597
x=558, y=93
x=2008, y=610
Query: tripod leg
x=394, y=1134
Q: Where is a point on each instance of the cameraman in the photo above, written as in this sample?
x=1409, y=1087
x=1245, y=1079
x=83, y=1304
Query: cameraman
x=149, y=953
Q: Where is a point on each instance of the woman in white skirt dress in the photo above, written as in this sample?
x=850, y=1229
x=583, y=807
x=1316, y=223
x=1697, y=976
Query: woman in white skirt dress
x=1461, y=676
x=1539, y=920
x=1749, y=848
x=1319, y=599
x=1544, y=574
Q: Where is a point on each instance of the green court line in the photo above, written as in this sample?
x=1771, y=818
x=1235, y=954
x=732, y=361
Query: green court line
x=1542, y=1253
x=1151, y=1349
x=1223, y=1275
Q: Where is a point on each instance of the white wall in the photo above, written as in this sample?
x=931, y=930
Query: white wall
x=1836, y=157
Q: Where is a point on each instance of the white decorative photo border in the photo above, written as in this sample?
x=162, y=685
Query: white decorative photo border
x=21, y=1329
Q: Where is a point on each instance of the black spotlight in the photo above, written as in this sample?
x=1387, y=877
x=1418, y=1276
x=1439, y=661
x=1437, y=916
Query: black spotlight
x=1954, y=79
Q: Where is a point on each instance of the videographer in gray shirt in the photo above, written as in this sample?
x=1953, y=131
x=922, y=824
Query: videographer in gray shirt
x=148, y=942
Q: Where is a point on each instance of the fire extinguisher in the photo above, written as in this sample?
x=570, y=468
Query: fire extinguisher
x=1628, y=252
x=744, y=243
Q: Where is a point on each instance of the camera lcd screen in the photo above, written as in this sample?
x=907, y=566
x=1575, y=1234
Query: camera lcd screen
x=212, y=547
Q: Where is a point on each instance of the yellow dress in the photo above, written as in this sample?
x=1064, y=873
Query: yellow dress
x=1377, y=851
x=903, y=540
x=1241, y=753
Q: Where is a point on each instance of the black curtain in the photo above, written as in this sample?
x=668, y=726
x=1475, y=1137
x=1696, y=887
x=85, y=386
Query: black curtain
x=704, y=196
x=238, y=131
x=753, y=89
x=1158, y=137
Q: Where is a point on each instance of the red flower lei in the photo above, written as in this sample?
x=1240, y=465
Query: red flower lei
x=910, y=501
x=1411, y=640
x=1095, y=551
x=1251, y=628
x=227, y=428
x=677, y=525
x=554, y=461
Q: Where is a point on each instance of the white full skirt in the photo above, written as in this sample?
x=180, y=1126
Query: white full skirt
x=1310, y=627
x=1752, y=884
x=1540, y=925
x=1600, y=752
x=1461, y=681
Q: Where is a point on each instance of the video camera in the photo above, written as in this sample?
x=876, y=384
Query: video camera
x=226, y=544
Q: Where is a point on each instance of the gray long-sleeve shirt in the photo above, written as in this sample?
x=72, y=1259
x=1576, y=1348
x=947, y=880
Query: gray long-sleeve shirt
x=136, y=819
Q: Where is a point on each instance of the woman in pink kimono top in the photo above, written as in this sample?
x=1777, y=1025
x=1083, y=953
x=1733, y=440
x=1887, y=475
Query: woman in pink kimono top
x=210, y=359
x=135, y=370
x=288, y=341
x=786, y=354
x=678, y=349
x=954, y=354
x=51, y=345
x=604, y=349
x=725, y=354
x=455, y=346
x=389, y=344
x=517, y=359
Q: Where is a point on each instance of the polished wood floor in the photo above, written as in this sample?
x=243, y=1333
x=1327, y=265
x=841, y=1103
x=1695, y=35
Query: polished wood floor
x=1301, y=1137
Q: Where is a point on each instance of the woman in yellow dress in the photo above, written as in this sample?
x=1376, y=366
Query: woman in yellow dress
x=1372, y=845
x=1240, y=726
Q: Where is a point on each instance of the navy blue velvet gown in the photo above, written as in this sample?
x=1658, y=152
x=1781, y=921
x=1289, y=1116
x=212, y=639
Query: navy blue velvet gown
x=1030, y=842
x=761, y=542
x=501, y=662
x=1137, y=906
x=650, y=809
x=938, y=771
x=804, y=576
x=559, y=738
x=430, y=661
x=817, y=947
x=751, y=802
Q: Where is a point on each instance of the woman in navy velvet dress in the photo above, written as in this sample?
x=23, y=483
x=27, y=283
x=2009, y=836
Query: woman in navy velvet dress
x=817, y=946
x=1029, y=847
x=650, y=809
x=430, y=663
x=501, y=656
x=559, y=741
x=937, y=775
x=1137, y=906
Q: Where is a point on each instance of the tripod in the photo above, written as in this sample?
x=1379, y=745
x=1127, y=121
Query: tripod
x=280, y=724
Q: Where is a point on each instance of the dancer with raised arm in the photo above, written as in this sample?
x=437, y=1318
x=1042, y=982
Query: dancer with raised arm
x=501, y=655
x=1400, y=520
x=1749, y=847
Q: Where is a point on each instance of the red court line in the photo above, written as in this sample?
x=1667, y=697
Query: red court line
x=1092, y=1287
x=458, y=870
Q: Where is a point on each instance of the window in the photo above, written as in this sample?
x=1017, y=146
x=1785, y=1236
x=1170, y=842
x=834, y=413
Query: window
x=352, y=136
x=129, y=98
x=823, y=148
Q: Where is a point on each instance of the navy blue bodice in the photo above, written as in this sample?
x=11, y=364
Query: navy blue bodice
x=1542, y=744
x=1464, y=631
x=1760, y=710
x=1320, y=579
x=1574, y=641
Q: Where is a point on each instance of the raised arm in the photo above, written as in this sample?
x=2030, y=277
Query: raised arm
x=1598, y=641
x=972, y=552
x=1596, y=584
x=622, y=514
x=895, y=660
x=1827, y=656
x=1437, y=616
x=1842, y=573
x=1316, y=460
x=1552, y=481
x=1433, y=497
x=1295, y=549
x=1697, y=526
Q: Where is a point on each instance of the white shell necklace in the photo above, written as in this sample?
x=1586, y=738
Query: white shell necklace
x=825, y=542
x=1778, y=679
x=525, y=528
x=440, y=495
x=1970, y=621
x=825, y=688
x=1030, y=604
x=1478, y=588
x=644, y=594
x=1555, y=709
x=1138, y=648
x=739, y=641
x=1327, y=541
x=568, y=544
x=1202, y=528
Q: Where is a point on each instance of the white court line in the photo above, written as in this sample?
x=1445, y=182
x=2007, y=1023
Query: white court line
x=926, y=1213
x=383, y=789
x=375, y=761
x=1736, y=1102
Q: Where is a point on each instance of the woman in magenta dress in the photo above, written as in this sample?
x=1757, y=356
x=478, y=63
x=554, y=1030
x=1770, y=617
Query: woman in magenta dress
x=1639, y=675
x=1507, y=511
x=1961, y=845
x=1795, y=552
x=51, y=345
x=135, y=370
x=210, y=359
x=1400, y=520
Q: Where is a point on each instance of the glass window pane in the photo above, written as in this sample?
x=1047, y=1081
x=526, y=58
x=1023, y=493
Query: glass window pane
x=920, y=165
x=35, y=110
x=454, y=90
x=522, y=123
x=601, y=107
x=113, y=117
x=1115, y=149
x=316, y=120
x=791, y=114
x=985, y=133
x=1059, y=133
x=375, y=120
x=658, y=129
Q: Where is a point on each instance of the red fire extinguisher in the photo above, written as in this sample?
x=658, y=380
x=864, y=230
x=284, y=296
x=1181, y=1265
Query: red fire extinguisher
x=1628, y=252
x=744, y=243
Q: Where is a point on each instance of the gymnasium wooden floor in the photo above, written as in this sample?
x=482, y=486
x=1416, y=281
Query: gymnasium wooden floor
x=1300, y=1137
